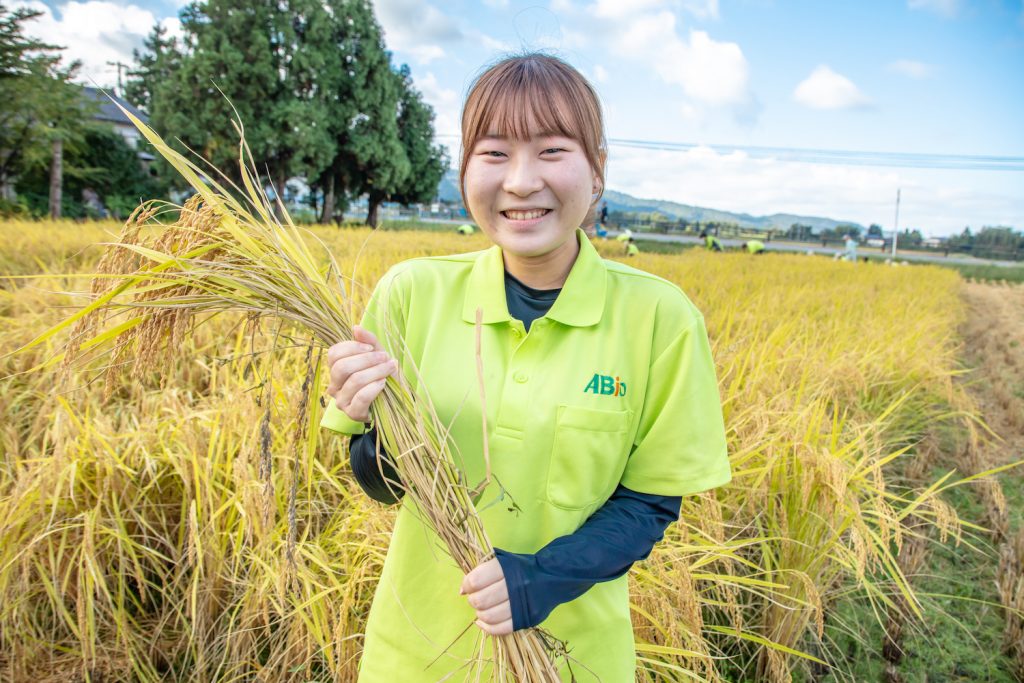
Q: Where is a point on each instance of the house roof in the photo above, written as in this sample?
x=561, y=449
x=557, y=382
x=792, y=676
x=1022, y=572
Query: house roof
x=108, y=111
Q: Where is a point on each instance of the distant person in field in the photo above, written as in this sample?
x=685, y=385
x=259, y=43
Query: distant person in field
x=600, y=388
x=849, y=248
x=754, y=246
x=711, y=242
x=631, y=248
x=464, y=229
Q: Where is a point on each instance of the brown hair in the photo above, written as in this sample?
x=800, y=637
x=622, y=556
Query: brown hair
x=534, y=91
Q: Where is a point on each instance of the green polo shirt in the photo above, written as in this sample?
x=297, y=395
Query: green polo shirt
x=615, y=384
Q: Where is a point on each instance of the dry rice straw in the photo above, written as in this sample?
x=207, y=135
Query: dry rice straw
x=229, y=255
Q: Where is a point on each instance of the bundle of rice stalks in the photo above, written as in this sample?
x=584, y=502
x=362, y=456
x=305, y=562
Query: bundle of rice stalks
x=227, y=253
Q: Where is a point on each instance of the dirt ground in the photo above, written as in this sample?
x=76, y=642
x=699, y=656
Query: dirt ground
x=994, y=337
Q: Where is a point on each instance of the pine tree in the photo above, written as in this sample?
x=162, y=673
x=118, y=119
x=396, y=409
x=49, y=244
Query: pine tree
x=428, y=162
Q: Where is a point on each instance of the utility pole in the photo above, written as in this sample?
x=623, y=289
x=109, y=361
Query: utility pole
x=896, y=224
x=120, y=65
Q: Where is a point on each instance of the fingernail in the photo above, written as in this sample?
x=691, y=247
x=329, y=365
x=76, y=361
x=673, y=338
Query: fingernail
x=366, y=347
x=462, y=591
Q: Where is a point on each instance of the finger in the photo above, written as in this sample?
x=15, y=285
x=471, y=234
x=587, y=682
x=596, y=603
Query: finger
x=359, y=408
x=347, y=366
x=359, y=379
x=495, y=615
x=481, y=576
x=349, y=347
x=502, y=629
x=365, y=336
x=488, y=597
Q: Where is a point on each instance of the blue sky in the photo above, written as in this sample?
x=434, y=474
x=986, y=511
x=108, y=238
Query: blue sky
x=916, y=76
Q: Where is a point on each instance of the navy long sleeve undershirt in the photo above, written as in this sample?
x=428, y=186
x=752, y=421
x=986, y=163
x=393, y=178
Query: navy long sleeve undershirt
x=622, y=531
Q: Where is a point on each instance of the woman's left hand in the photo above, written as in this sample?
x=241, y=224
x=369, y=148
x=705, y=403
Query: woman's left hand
x=487, y=593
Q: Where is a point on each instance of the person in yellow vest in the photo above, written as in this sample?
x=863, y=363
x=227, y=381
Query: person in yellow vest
x=601, y=396
x=465, y=229
x=631, y=248
x=754, y=246
x=711, y=242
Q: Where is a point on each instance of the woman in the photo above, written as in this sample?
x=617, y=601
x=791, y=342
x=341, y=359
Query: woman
x=602, y=403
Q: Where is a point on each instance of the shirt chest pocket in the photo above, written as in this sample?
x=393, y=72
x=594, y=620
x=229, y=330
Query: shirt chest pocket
x=588, y=455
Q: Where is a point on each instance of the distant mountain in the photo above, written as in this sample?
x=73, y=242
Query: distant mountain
x=448, y=191
x=620, y=201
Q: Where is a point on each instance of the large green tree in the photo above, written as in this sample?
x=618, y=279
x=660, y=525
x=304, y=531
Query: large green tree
x=233, y=63
x=313, y=85
x=427, y=162
x=41, y=112
x=369, y=158
x=155, y=67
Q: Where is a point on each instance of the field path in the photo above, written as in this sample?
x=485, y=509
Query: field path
x=994, y=334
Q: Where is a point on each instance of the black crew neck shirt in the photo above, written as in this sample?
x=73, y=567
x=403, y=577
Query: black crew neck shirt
x=526, y=303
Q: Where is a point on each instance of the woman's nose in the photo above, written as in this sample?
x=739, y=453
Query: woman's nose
x=522, y=177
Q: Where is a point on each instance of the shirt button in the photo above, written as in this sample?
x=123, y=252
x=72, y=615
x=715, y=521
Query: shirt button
x=521, y=377
x=516, y=333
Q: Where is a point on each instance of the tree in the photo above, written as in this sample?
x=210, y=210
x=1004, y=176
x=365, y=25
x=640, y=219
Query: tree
x=875, y=230
x=799, y=231
x=41, y=112
x=912, y=238
x=846, y=229
x=233, y=64
x=427, y=162
x=998, y=242
x=314, y=87
x=105, y=166
x=370, y=157
x=155, y=67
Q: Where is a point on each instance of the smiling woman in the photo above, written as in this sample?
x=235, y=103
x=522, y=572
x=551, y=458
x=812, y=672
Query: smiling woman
x=582, y=477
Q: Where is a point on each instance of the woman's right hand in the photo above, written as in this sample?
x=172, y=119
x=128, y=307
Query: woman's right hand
x=358, y=370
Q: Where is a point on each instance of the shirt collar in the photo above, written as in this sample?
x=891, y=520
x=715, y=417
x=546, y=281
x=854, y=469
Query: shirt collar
x=580, y=303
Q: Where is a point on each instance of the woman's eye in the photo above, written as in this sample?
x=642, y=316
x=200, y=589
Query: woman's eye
x=553, y=150
x=494, y=153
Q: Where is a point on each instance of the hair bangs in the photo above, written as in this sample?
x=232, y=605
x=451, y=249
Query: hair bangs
x=533, y=95
x=521, y=106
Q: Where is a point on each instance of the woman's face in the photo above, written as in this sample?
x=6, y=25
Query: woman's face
x=529, y=196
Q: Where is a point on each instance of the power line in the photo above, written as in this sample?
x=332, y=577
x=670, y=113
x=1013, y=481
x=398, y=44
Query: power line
x=965, y=162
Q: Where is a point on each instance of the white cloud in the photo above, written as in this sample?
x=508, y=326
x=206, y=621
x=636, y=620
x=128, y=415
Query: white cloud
x=712, y=72
x=600, y=74
x=826, y=89
x=445, y=102
x=947, y=8
x=416, y=28
x=736, y=182
x=911, y=69
x=492, y=43
x=703, y=9
x=623, y=9
x=497, y=4
x=425, y=54
x=619, y=9
x=94, y=32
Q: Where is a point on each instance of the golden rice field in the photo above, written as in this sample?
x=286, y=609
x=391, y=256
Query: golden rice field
x=145, y=535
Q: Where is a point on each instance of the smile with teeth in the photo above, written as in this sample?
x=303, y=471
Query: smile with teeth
x=524, y=215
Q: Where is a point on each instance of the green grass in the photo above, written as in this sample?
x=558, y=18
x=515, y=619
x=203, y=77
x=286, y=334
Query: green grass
x=960, y=638
x=990, y=273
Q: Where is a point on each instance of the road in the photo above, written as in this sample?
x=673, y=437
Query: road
x=803, y=248
x=791, y=247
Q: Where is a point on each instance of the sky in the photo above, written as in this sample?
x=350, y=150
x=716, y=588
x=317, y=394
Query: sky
x=720, y=80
